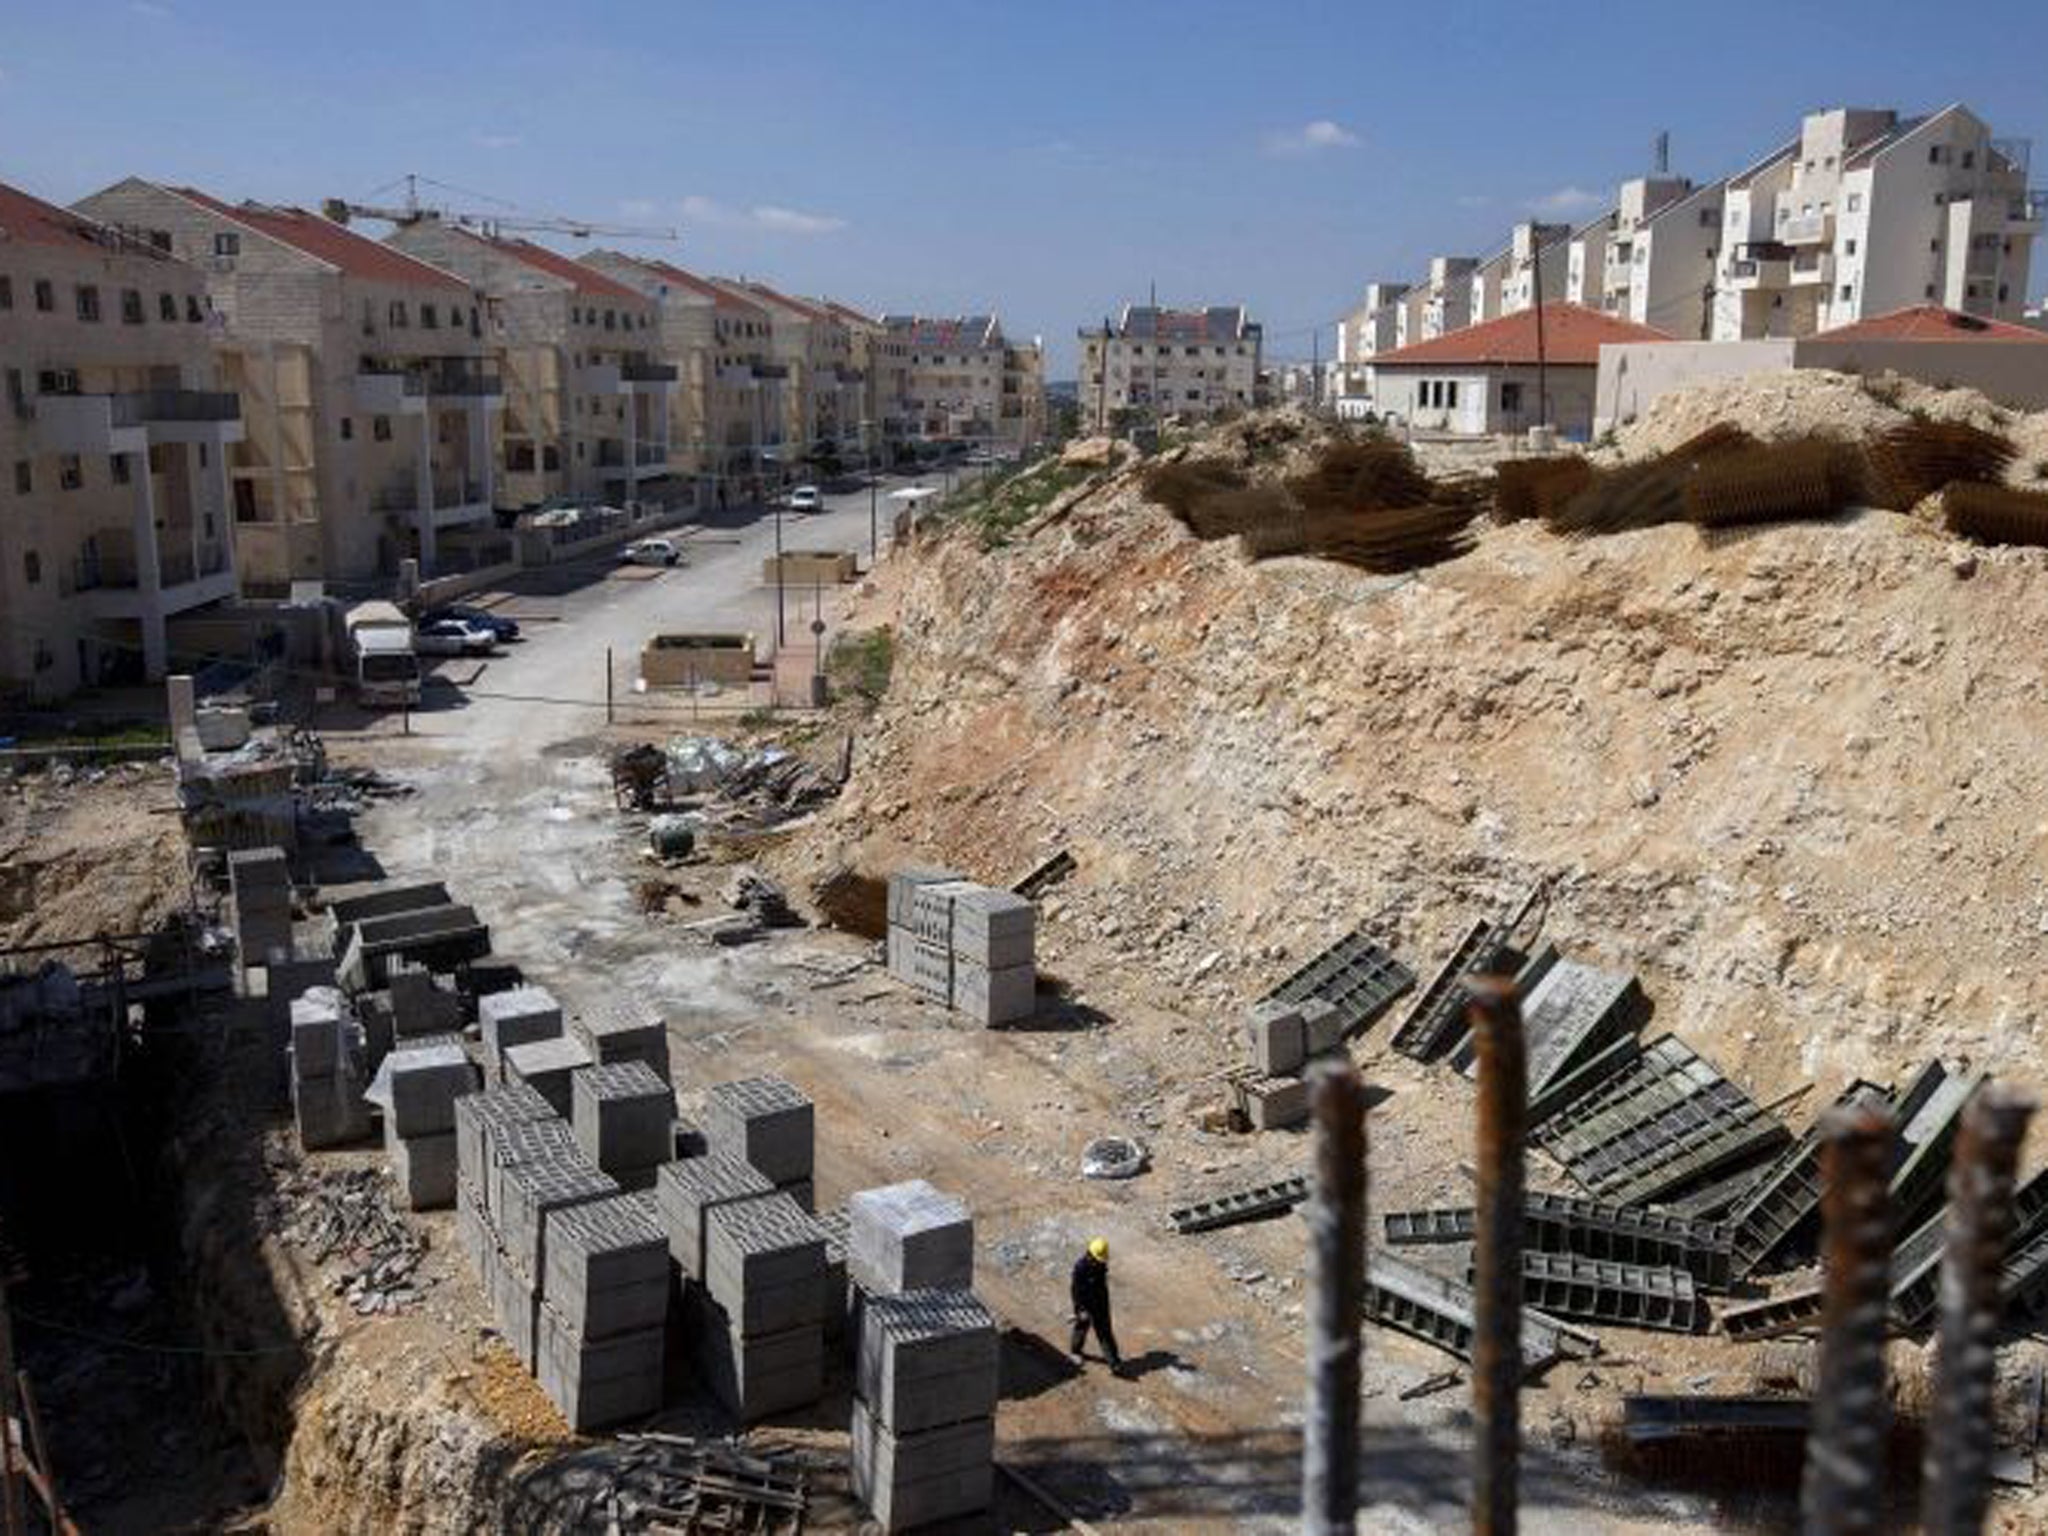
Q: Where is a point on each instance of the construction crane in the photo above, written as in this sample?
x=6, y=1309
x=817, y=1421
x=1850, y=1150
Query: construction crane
x=413, y=211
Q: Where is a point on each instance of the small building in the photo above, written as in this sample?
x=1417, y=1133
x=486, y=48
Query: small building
x=1484, y=378
x=1170, y=362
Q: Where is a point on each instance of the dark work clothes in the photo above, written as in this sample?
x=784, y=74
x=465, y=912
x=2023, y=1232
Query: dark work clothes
x=1090, y=1291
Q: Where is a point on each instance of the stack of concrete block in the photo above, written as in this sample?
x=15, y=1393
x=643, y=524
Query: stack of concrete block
x=327, y=1071
x=527, y=1191
x=479, y=1117
x=419, y=1005
x=380, y=900
x=687, y=1192
x=260, y=903
x=1284, y=1038
x=426, y=1080
x=604, y=1311
x=620, y=1030
x=759, y=1317
x=520, y=1016
x=767, y=1122
x=925, y=1388
x=908, y=1237
x=837, y=1226
x=443, y=937
x=969, y=946
x=549, y=1068
x=624, y=1116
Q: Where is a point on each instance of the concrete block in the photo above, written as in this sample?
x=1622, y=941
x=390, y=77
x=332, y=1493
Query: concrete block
x=533, y=1189
x=518, y=1017
x=507, y=1146
x=546, y=1067
x=759, y=1375
x=836, y=1225
x=515, y=1304
x=381, y=900
x=329, y=1112
x=687, y=1191
x=994, y=997
x=927, y=966
x=931, y=909
x=765, y=1265
x=909, y=1237
x=608, y=1266
x=803, y=1192
x=598, y=1382
x=903, y=885
x=318, y=1033
x=423, y=1167
x=1277, y=1103
x=1278, y=1038
x=620, y=1030
x=918, y=1479
x=419, y=1006
x=624, y=1116
x=425, y=1083
x=257, y=868
x=473, y=1231
x=926, y=1359
x=476, y=1113
x=1322, y=1026
x=994, y=929
x=764, y=1120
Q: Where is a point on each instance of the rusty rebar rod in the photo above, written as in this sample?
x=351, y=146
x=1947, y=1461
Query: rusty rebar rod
x=1955, y=1472
x=1843, y=1490
x=1336, y=1225
x=1496, y=1019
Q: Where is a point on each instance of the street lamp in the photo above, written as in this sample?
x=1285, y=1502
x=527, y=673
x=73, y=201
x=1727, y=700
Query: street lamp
x=764, y=456
x=867, y=429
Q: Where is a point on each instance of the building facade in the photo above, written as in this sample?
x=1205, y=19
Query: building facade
x=367, y=389
x=115, y=511
x=586, y=400
x=825, y=396
x=1170, y=362
x=968, y=380
x=1371, y=328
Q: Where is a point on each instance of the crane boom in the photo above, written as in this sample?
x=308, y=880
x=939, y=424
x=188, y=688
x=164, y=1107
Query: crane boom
x=413, y=211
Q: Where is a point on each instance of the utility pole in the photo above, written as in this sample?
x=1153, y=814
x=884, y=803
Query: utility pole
x=1542, y=375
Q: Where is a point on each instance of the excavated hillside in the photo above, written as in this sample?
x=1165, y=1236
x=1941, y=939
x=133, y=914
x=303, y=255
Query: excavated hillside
x=1790, y=776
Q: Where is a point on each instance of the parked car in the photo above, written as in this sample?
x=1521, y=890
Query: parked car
x=452, y=637
x=653, y=552
x=805, y=498
x=497, y=624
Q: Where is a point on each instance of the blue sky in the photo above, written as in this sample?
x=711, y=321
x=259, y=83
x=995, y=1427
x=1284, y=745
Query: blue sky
x=1048, y=159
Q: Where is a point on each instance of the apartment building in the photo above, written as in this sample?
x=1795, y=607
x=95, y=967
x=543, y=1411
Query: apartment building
x=366, y=386
x=1662, y=255
x=1447, y=295
x=114, y=500
x=1160, y=362
x=726, y=412
x=968, y=380
x=826, y=398
x=1534, y=251
x=882, y=356
x=1585, y=264
x=1371, y=328
x=586, y=400
x=1868, y=213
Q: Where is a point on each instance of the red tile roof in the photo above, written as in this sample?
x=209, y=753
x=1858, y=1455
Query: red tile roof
x=808, y=311
x=587, y=280
x=1930, y=322
x=35, y=222
x=848, y=312
x=724, y=298
x=1572, y=337
x=325, y=240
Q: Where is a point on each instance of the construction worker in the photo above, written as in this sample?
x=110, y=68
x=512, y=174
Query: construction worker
x=1091, y=1302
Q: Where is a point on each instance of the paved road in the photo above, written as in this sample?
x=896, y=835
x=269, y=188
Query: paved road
x=549, y=685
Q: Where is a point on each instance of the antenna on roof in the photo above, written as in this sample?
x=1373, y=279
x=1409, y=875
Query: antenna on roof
x=1660, y=153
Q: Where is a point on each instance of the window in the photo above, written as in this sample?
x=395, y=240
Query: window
x=227, y=243
x=380, y=428
x=611, y=320
x=70, y=473
x=1510, y=396
x=24, y=477
x=160, y=239
x=396, y=316
x=167, y=307
x=131, y=307
x=1855, y=204
x=1930, y=290
x=1451, y=395
x=348, y=429
x=1934, y=154
x=88, y=302
x=1847, y=289
x=2004, y=292
x=31, y=567
x=1849, y=247
x=122, y=473
x=193, y=313
x=6, y=292
x=1709, y=217
x=46, y=295
x=430, y=318
x=1969, y=158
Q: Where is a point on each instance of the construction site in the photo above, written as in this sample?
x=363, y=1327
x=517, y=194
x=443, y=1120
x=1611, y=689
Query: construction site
x=1469, y=927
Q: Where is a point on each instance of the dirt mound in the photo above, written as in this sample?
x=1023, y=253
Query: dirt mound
x=82, y=853
x=1788, y=775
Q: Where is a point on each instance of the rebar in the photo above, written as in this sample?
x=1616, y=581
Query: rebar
x=1496, y=1020
x=1842, y=1492
x=1336, y=1223
x=1766, y=483
x=1956, y=1467
x=1996, y=514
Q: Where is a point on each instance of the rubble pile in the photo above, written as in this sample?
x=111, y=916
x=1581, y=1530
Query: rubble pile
x=344, y=1218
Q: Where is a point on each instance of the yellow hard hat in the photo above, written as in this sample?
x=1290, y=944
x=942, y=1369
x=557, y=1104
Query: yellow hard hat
x=1098, y=1248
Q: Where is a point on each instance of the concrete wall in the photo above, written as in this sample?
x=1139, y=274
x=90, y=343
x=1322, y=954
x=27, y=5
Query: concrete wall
x=1635, y=373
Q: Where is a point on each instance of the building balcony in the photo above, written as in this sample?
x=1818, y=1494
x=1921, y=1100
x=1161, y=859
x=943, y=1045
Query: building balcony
x=611, y=453
x=1808, y=267
x=650, y=453
x=129, y=423
x=460, y=379
x=112, y=585
x=1807, y=229
x=646, y=373
x=1759, y=264
x=598, y=379
x=382, y=391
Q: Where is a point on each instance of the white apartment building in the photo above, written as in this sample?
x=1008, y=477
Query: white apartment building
x=1662, y=255
x=825, y=399
x=1447, y=295
x=366, y=386
x=1585, y=264
x=114, y=443
x=968, y=380
x=1371, y=328
x=726, y=413
x=586, y=402
x=1534, y=250
x=1870, y=213
x=1162, y=362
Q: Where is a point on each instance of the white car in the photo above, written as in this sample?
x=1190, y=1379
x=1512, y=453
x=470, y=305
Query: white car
x=653, y=552
x=453, y=637
x=805, y=498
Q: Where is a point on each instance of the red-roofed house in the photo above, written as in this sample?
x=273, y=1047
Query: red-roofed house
x=114, y=442
x=1930, y=322
x=366, y=383
x=1483, y=379
x=587, y=412
x=727, y=409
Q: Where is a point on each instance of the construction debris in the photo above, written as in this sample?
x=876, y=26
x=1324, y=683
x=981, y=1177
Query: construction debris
x=1920, y=457
x=1241, y=1205
x=345, y=1217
